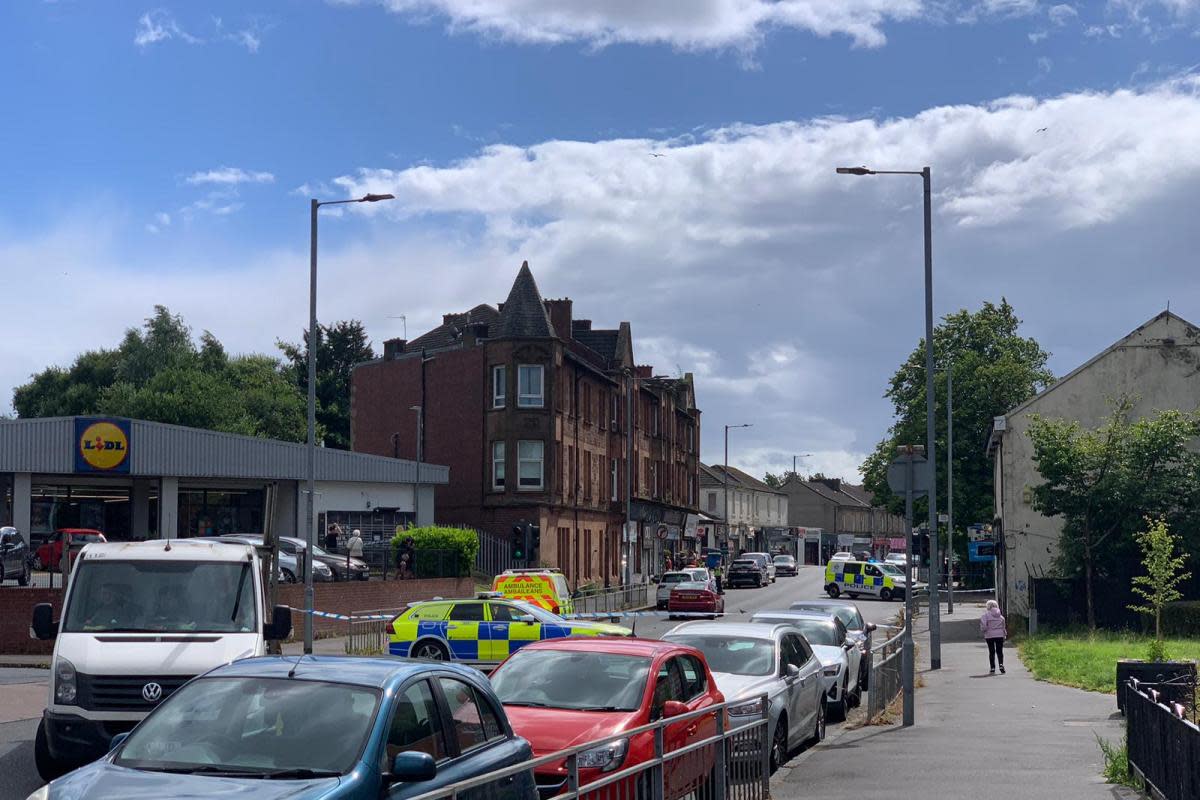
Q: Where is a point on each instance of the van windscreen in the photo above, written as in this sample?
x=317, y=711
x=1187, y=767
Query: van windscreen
x=161, y=597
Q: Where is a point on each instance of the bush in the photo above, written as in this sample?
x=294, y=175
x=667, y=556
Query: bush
x=1182, y=618
x=440, y=552
x=1116, y=763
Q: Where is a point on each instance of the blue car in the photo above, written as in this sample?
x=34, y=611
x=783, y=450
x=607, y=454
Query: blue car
x=316, y=727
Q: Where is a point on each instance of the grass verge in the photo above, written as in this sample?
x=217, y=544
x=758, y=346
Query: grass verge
x=1090, y=661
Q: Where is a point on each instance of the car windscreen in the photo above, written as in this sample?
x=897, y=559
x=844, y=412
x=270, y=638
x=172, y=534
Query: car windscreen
x=256, y=727
x=538, y=613
x=815, y=630
x=674, y=577
x=846, y=614
x=732, y=654
x=745, y=563
x=162, y=597
x=574, y=680
x=784, y=560
x=891, y=569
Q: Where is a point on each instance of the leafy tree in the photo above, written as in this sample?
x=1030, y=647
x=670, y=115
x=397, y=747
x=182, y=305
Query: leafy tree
x=775, y=481
x=1104, y=482
x=158, y=373
x=1164, y=573
x=339, y=347
x=995, y=370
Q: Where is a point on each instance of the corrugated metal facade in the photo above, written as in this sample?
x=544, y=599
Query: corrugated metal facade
x=155, y=449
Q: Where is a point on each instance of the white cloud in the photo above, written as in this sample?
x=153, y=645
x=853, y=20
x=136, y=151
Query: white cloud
x=1062, y=13
x=229, y=176
x=159, y=26
x=162, y=220
x=692, y=25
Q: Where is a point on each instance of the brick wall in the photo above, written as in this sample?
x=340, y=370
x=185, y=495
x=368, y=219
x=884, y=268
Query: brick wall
x=16, y=614
x=16, y=605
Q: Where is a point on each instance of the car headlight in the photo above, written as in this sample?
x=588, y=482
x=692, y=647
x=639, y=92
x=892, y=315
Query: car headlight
x=832, y=671
x=320, y=568
x=606, y=757
x=40, y=794
x=65, y=687
x=754, y=707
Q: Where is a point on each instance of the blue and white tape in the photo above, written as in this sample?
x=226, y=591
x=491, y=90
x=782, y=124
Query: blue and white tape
x=584, y=616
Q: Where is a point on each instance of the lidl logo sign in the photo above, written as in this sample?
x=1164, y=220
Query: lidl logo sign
x=102, y=445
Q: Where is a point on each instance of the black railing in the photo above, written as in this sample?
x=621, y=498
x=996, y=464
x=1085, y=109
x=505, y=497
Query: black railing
x=1163, y=746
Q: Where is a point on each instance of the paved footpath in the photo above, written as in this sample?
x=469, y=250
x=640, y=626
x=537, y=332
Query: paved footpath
x=1002, y=737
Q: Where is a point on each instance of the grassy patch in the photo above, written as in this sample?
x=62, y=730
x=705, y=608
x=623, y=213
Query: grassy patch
x=1090, y=662
x=1116, y=764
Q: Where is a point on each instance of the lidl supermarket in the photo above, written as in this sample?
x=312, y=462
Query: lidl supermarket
x=132, y=480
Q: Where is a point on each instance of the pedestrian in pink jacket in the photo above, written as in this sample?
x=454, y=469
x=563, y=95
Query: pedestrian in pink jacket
x=994, y=630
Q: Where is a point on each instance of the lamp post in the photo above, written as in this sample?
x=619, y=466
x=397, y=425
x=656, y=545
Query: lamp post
x=311, y=482
x=949, y=486
x=420, y=454
x=935, y=563
x=725, y=475
x=794, y=458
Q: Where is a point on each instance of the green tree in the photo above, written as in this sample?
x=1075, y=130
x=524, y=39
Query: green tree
x=775, y=481
x=158, y=373
x=995, y=370
x=1164, y=573
x=339, y=347
x=1104, y=482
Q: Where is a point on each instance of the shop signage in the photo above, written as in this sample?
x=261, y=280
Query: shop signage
x=102, y=445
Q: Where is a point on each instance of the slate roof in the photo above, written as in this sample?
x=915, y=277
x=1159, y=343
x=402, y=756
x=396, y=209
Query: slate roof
x=737, y=477
x=603, y=342
x=449, y=333
x=859, y=493
x=523, y=315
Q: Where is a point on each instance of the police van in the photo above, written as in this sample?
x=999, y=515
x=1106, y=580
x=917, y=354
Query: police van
x=854, y=578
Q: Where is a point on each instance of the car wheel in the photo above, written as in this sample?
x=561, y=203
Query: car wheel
x=47, y=766
x=779, y=743
x=288, y=576
x=430, y=650
x=852, y=595
x=38, y=565
x=832, y=590
x=25, y=577
x=885, y=594
x=819, y=733
x=837, y=710
x=3, y=577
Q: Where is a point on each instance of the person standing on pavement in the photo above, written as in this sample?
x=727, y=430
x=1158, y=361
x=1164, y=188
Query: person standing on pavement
x=994, y=630
x=331, y=537
x=354, y=549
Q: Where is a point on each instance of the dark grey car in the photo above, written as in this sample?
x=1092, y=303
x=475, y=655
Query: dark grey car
x=14, y=557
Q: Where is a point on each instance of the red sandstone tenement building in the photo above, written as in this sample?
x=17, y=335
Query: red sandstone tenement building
x=528, y=408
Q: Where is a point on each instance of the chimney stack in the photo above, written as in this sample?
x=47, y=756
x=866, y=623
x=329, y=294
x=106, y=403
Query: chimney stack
x=393, y=348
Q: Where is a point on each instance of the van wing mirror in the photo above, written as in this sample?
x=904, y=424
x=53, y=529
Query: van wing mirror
x=280, y=626
x=44, y=626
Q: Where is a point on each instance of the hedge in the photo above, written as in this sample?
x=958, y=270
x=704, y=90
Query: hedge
x=1182, y=618
x=440, y=552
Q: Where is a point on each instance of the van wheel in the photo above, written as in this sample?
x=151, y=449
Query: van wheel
x=47, y=766
x=430, y=650
x=832, y=590
x=885, y=594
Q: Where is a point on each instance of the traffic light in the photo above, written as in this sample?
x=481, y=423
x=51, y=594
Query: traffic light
x=519, y=546
x=535, y=542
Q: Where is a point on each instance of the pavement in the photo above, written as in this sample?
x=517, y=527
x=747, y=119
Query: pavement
x=22, y=698
x=986, y=737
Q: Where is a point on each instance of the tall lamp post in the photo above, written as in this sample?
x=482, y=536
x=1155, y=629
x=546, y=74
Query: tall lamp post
x=311, y=482
x=935, y=562
x=725, y=474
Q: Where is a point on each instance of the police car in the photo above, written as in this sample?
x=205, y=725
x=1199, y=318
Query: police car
x=482, y=631
x=854, y=578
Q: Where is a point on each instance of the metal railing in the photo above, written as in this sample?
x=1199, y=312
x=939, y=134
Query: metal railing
x=370, y=637
x=694, y=756
x=884, y=679
x=621, y=598
x=1163, y=746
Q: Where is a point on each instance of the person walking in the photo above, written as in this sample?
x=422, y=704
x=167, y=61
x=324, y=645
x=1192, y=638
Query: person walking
x=331, y=537
x=994, y=630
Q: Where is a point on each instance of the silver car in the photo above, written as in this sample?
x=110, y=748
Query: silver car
x=748, y=660
x=291, y=570
x=841, y=657
x=667, y=582
x=857, y=628
x=766, y=559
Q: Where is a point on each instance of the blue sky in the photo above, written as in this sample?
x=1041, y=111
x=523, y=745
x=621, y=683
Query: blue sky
x=163, y=153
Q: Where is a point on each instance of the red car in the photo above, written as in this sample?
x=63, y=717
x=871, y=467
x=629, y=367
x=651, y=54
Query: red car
x=49, y=555
x=563, y=692
x=695, y=597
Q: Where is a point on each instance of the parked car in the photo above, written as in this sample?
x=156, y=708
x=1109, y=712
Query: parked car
x=291, y=566
x=698, y=573
x=841, y=658
x=842, y=555
x=565, y=692
x=14, y=557
x=333, y=727
x=358, y=570
x=666, y=582
x=748, y=660
x=483, y=631
x=785, y=565
x=695, y=597
x=747, y=571
x=857, y=628
x=765, y=558
x=49, y=555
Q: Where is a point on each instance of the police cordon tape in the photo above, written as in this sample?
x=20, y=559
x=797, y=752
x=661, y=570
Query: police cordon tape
x=592, y=615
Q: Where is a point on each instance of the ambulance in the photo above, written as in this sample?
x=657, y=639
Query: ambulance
x=542, y=587
x=854, y=578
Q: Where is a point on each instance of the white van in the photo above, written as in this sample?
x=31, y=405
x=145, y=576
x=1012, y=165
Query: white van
x=140, y=619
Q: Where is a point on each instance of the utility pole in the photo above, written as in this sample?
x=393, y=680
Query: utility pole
x=907, y=662
x=950, y=486
x=420, y=453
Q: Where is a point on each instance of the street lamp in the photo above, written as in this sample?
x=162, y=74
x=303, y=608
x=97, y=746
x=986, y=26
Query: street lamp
x=725, y=474
x=312, y=403
x=935, y=635
x=801, y=455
